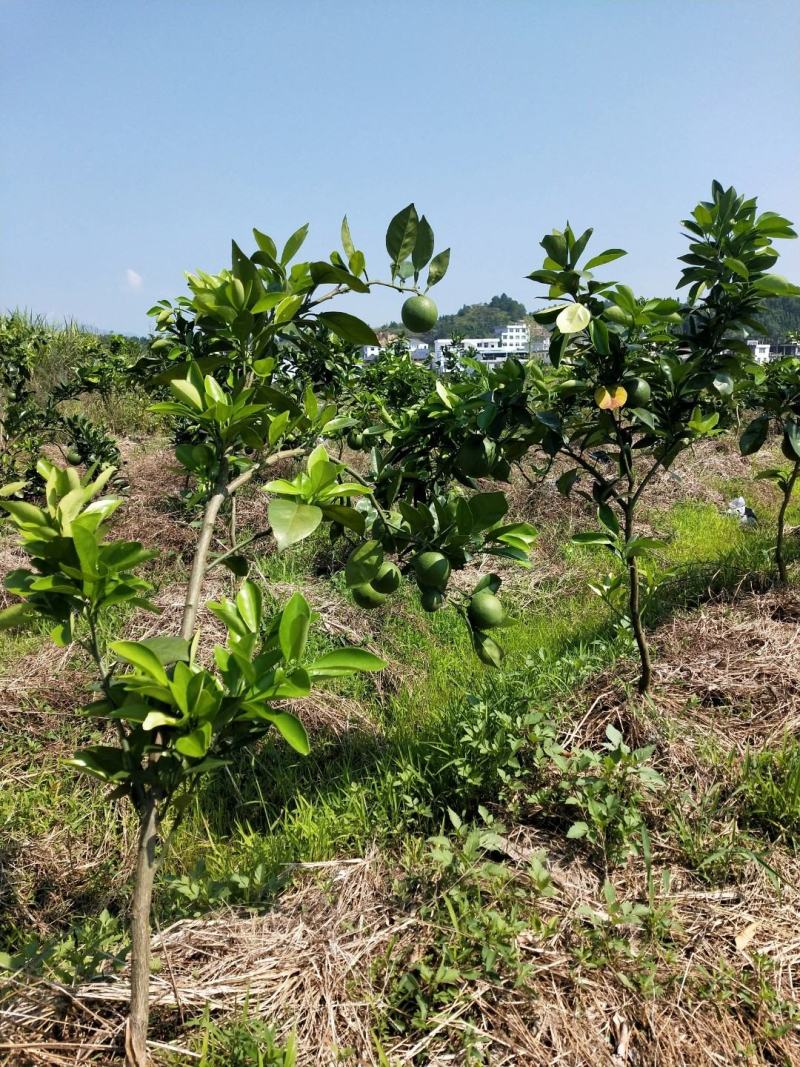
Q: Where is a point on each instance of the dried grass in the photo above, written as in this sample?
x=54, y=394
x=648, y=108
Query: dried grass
x=314, y=964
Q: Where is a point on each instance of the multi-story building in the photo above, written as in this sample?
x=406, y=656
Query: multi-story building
x=416, y=349
x=761, y=351
x=511, y=340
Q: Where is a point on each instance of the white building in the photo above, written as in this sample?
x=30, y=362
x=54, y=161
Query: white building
x=760, y=350
x=511, y=340
x=416, y=349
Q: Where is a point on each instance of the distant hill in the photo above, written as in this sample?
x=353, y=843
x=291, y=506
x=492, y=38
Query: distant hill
x=473, y=320
x=782, y=316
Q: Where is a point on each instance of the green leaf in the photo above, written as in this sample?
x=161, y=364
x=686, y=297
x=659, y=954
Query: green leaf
x=327, y=274
x=291, y=522
x=348, y=327
x=591, y=539
x=249, y=605
x=265, y=243
x=12, y=488
x=347, y=240
x=363, y=564
x=791, y=431
x=345, y=516
x=168, y=649
x=642, y=546
x=292, y=731
x=776, y=285
x=573, y=318
x=101, y=761
x=438, y=267
x=293, y=628
x=487, y=509
x=423, y=246
x=608, y=256
x=344, y=661
x=18, y=615
x=140, y=656
x=754, y=435
x=186, y=392
x=154, y=719
x=567, y=480
x=608, y=519
x=401, y=234
x=647, y=418
x=578, y=829
x=294, y=244
x=196, y=744
x=737, y=267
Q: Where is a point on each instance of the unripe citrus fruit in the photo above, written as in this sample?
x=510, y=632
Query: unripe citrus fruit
x=419, y=314
x=367, y=597
x=388, y=578
x=73, y=456
x=432, y=599
x=638, y=390
x=355, y=440
x=486, y=611
x=432, y=570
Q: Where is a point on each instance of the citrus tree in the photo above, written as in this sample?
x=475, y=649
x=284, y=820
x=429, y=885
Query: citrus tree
x=173, y=718
x=779, y=396
x=640, y=380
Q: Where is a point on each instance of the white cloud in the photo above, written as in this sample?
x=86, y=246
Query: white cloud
x=133, y=278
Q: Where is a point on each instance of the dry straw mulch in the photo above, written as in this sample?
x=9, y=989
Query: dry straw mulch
x=316, y=964
x=313, y=966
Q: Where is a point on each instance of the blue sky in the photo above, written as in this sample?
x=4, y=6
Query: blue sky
x=139, y=137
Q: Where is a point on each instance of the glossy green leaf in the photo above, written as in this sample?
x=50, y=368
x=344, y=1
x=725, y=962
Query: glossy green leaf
x=292, y=522
x=438, y=267
x=348, y=327
x=293, y=628
x=401, y=234
x=197, y=743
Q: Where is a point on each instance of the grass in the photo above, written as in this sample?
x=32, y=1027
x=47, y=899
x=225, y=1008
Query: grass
x=442, y=763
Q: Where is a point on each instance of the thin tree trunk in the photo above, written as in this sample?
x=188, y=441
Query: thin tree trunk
x=195, y=587
x=136, y=1034
x=779, y=541
x=635, y=611
x=638, y=631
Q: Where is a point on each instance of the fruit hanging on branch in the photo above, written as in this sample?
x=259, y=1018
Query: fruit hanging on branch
x=419, y=314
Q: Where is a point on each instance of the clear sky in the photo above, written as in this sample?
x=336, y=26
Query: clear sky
x=138, y=137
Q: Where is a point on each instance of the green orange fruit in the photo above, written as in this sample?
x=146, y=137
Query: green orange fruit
x=638, y=390
x=432, y=599
x=388, y=578
x=486, y=610
x=367, y=597
x=419, y=314
x=432, y=570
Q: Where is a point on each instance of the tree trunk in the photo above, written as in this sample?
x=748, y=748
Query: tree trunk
x=638, y=631
x=634, y=609
x=136, y=1033
x=195, y=586
x=783, y=577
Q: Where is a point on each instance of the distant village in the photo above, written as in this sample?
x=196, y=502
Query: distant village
x=515, y=339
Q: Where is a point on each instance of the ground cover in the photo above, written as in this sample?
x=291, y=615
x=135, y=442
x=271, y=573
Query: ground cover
x=503, y=867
